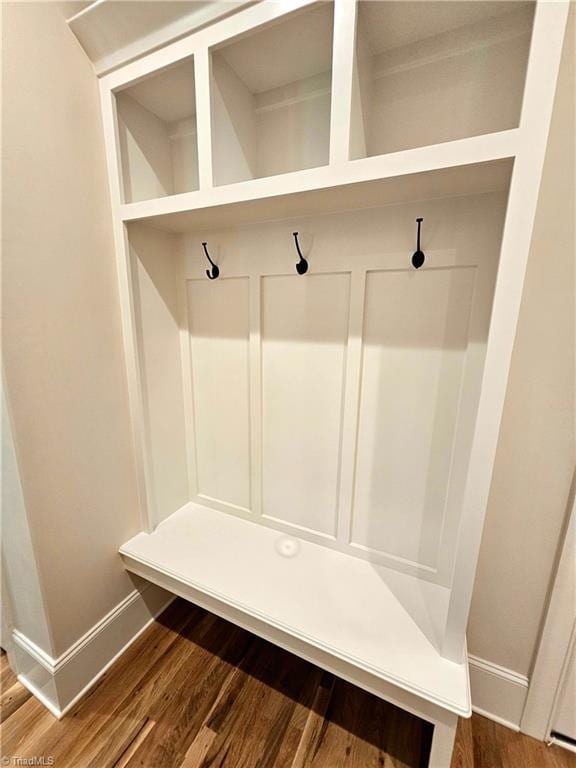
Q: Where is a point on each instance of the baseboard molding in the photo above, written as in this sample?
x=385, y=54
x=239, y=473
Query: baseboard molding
x=497, y=693
x=59, y=683
x=560, y=742
x=41, y=696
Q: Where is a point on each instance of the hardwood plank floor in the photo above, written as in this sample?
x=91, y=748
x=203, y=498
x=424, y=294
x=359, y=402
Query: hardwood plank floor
x=197, y=692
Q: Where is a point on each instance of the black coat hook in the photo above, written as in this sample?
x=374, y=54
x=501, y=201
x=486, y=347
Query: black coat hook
x=302, y=266
x=212, y=275
x=418, y=255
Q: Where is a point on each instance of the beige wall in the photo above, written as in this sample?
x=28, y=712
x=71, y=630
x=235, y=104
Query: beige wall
x=536, y=450
x=61, y=323
x=64, y=369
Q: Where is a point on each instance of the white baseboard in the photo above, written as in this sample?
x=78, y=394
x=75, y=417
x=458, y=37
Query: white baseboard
x=59, y=683
x=497, y=693
x=560, y=742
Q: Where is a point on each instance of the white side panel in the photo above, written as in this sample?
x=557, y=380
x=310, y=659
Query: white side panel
x=154, y=268
x=233, y=125
x=546, y=46
x=549, y=677
x=564, y=722
x=304, y=335
x=343, y=66
x=415, y=340
x=203, y=89
x=144, y=151
x=218, y=313
x=361, y=93
x=184, y=151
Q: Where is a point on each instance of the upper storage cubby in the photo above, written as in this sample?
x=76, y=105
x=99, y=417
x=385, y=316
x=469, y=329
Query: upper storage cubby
x=157, y=134
x=271, y=93
x=430, y=72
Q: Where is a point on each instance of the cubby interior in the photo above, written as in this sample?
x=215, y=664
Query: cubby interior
x=157, y=134
x=271, y=95
x=430, y=72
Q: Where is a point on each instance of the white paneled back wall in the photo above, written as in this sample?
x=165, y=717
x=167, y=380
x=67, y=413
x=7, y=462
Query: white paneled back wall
x=304, y=330
x=219, y=327
x=336, y=405
x=415, y=342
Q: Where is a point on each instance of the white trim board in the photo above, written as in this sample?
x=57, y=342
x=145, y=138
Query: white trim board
x=58, y=683
x=558, y=741
x=557, y=637
x=110, y=38
x=497, y=693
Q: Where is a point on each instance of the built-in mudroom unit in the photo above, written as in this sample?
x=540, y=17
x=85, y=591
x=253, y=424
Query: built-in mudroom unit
x=322, y=216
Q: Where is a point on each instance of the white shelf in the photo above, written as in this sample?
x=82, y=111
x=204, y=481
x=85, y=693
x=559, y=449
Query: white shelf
x=468, y=166
x=376, y=619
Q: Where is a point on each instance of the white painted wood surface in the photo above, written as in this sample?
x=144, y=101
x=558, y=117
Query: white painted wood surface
x=157, y=322
x=443, y=720
x=347, y=607
x=294, y=409
x=549, y=677
x=60, y=682
x=442, y=73
x=417, y=362
x=564, y=721
x=113, y=33
x=219, y=332
x=547, y=37
x=157, y=134
x=271, y=97
x=416, y=329
x=304, y=337
x=358, y=185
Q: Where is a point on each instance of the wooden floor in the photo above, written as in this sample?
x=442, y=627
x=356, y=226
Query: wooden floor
x=197, y=692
